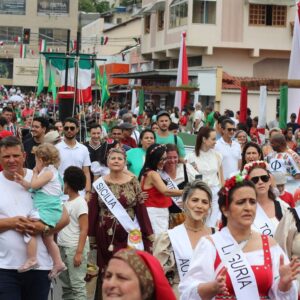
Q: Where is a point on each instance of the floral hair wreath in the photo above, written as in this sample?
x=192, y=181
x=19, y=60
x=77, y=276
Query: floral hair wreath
x=157, y=147
x=254, y=164
x=231, y=183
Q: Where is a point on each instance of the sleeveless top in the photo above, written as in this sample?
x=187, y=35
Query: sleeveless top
x=155, y=197
x=263, y=274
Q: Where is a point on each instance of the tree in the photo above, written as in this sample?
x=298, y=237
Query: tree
x=102, y=6
x=87, y=5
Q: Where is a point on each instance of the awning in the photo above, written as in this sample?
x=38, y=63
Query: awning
x=159, y=6
x=273, y=2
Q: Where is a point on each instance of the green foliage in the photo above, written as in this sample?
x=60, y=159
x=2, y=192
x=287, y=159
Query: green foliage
x=87, y=5
x=102, y=6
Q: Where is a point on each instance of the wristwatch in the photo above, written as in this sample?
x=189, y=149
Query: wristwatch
x=46, y=230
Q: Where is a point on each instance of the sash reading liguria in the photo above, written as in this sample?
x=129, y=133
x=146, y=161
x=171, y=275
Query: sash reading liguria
x=262, y=222
x=238, y=268
x=182, y=249
x=116, y=208
x=171, y=185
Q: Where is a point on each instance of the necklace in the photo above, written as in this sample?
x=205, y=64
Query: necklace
x=242, y=244
x=193, y=229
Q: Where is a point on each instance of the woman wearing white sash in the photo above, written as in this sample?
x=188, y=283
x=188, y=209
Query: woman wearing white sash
x=208, y=163
x=105, y=229
x=180, y=174
x=270, y=209
x=174, y=248
x=256, y=267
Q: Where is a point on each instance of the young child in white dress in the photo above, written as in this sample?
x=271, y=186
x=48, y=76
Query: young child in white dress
x=47, y=187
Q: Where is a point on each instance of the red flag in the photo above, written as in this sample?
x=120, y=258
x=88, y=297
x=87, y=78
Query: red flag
x=298, y=120
x=243, y=105
x=182, y=75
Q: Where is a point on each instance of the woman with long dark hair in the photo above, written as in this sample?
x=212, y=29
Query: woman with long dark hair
x=237, y=262
x=251, y=152
x=158, y=194
x=208, y=164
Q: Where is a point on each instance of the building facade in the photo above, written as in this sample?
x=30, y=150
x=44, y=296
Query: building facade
x=48, y=20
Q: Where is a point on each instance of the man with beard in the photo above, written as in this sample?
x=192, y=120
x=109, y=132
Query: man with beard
x=73, y=153
x=164, y=136
x=284, y=160
x=38, y=130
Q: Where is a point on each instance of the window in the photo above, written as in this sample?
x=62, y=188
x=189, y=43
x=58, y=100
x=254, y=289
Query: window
x=53, y=36
x=53, y=7
x=178, y=13
x=12, y=7
x=119, y=20
x=268, y=15
x=9, y=34
x=160, y=19
x=204, y=12
x=147, y=19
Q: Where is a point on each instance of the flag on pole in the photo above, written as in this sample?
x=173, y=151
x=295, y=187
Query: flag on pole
x=43, y=45
x=104, y=40
x=283, y=106
x=105, y=92
x=40, y=79
x=84, y=87
x=141, y=102
x=262, y=117
x=298, y=120
x=73, y=45
x=243, y=105
x=182, y=75
x=98, y=79
x=22, y=51
x=294, y=67
x=52, y=85
x=133, y=100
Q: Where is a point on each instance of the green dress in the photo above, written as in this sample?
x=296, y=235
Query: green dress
x=135, y=160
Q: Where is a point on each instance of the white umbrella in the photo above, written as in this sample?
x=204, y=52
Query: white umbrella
x=16, y=98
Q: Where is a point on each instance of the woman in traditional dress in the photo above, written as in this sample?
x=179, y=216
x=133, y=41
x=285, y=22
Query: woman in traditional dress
x=238, y=263
x=115, y=209
x=136, y=156
x=158, y=194
x=208, y=163
x=135, y=275
x=270, y=209
x=251, y=152
x=174, y=248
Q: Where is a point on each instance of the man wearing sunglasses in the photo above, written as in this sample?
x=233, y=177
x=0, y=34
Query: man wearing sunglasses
x=72, y=153
x=230, y=149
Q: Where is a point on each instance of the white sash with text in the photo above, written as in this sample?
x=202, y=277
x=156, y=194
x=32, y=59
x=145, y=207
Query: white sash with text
x=116, y=208
x=238, y=268
x=262, y=223
x=182, y=249
x=171, y=185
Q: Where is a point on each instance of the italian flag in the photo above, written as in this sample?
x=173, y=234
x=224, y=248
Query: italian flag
x=42, y=45
x=84, y=88
x=22, y=51
x=182, y=75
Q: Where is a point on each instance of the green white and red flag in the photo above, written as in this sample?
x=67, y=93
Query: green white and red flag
x=22, y=51
x=42, y=45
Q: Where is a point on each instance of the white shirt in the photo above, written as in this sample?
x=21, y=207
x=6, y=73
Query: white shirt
x=198, y=116
x=69, y=236
x=208, y=164
x=54, y=186
x=231, y=154
x=17, y=202
x=77, y=156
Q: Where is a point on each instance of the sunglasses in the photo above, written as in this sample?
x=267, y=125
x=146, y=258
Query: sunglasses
x=72, y=128
x=231, y=129
x=263, y=178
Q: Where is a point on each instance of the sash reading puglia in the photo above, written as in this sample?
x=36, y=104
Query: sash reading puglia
x=171, y=185
x=262, y=222
x=238, y=268
x=178, y=237
x=116, y=208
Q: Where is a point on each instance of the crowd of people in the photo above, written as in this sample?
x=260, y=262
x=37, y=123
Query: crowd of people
x=219, y=222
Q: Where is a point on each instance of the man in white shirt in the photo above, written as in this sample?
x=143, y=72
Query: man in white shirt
x=229, y=149
x=73, y=153
x=14, y=208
